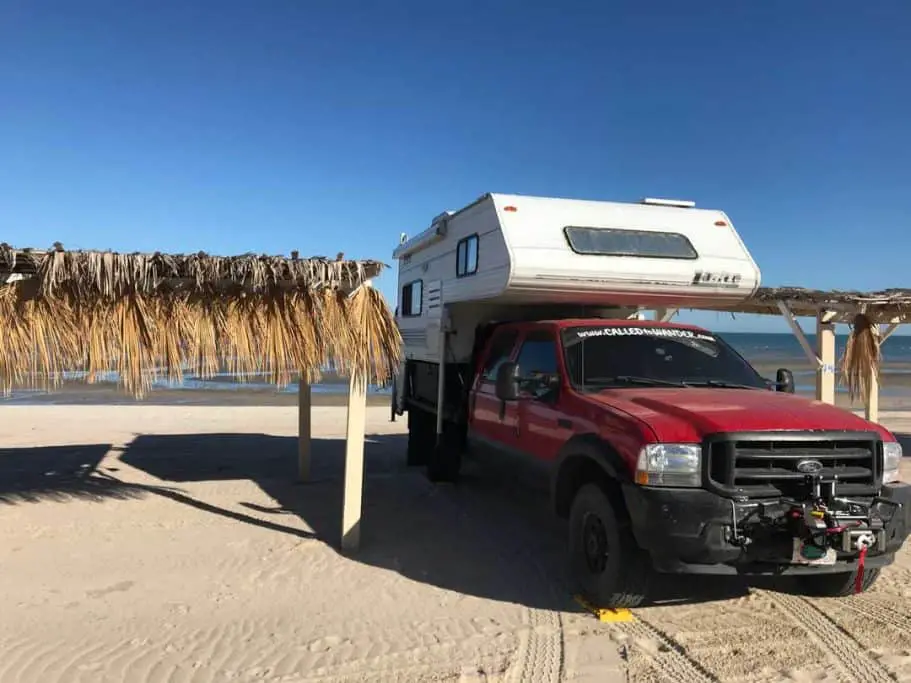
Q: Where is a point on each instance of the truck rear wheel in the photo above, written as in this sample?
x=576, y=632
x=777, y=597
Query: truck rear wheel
x=421, y=436
x=835, y=585
x=445, y=458
x=610, y=569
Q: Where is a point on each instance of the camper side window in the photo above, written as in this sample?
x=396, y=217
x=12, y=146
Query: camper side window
x=412, y=298
x=617, y=242
x=467, y=256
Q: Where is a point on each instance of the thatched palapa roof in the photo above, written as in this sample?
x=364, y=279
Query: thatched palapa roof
x=862, y=311
x=882, y=306
x=147, y=316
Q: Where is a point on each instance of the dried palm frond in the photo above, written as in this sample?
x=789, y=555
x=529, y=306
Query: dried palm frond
x=172, y=326
x=206, y=321
x=377, y=342
x=39, y=340
x=338, y=333
x=243, y=333
x=861, y=360
x=136, y=362
x=112, y=274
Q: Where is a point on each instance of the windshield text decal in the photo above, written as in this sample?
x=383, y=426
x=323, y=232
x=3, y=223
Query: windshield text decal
x=669, y=333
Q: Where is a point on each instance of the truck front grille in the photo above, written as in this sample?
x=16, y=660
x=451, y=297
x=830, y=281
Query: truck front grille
x=761, y=464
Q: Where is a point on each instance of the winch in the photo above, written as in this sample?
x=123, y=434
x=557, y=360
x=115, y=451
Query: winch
x=823, y=527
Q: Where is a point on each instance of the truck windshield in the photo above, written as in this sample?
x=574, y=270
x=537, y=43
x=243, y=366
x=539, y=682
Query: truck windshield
x=635, y=355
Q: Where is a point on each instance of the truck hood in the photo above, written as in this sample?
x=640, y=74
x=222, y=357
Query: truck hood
x=687, y=415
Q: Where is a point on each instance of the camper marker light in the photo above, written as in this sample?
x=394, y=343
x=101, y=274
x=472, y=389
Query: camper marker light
x=892, y=457
x=670, y=464
x=511, y=209
x=720, y=224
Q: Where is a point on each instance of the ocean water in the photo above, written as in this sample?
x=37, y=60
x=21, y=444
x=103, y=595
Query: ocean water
x=762, y=348
x=767, y=351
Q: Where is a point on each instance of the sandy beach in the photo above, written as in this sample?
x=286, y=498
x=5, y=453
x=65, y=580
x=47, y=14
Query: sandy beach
x=172, y=543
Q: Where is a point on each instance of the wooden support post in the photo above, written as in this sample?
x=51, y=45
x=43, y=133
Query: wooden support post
x=303, y=428
x=871, y=404
x=871, y=400
x=665, y=315
x=354, y=464
x=825, y=352
x=798, y=332
x=889, y=331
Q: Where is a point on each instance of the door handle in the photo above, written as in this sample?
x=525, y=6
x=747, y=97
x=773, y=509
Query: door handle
x=564, y=423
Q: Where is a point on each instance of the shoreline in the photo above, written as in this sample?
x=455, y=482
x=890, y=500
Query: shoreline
x=77, y=393
x=224, y=390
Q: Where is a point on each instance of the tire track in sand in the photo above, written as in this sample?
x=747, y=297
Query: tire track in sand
x=540, y=655
x=667, y=658
x=851, y=658
x=539, y=658
x=872, y=608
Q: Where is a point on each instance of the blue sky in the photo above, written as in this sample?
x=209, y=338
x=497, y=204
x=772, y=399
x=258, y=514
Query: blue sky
x=334, y=126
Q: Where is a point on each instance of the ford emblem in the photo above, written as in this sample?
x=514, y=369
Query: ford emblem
x=809, y=466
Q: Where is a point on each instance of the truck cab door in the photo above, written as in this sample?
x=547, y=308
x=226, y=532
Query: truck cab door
x=492, y=423
x=542, y=427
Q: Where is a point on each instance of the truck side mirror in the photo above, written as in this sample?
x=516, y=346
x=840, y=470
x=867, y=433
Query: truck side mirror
x=784, y=381
x=507, y=384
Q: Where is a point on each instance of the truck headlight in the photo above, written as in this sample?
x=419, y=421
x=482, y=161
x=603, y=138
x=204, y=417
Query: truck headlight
x=892, y=457
x=670, y=464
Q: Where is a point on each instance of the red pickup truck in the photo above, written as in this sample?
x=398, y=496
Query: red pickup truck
x=669, y=453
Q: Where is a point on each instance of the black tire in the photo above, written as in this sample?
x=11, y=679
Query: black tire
x=609, y=568
x=445, y=461
x=835, y=585
x=421, y=436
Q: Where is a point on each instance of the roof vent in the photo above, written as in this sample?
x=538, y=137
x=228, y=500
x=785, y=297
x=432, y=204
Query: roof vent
x=441, y=222
x=679, y=203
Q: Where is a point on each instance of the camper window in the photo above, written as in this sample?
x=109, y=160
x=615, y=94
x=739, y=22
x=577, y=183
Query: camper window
x=467, y=256
x=617, y=242
x=412, y=298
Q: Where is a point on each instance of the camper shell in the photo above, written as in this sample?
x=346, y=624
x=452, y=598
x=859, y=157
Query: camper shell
x=507, y=255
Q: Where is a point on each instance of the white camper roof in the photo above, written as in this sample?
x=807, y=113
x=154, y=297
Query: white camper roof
x=543, y=250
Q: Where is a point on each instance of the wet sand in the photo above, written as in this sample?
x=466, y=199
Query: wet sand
x=80, y=393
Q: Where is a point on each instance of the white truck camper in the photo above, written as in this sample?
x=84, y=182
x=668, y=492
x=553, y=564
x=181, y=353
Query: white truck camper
x=510, y=255
x=514, y=257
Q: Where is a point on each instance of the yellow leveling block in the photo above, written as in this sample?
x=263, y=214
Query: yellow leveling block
x=604, y=614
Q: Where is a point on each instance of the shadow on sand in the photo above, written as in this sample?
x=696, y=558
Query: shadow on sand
x=29, y=475
x=492, y=535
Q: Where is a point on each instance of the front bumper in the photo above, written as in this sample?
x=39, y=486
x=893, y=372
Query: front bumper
x=691, y=531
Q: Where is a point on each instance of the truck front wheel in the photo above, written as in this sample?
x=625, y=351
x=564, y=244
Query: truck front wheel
x=835, y=585
x=607, y=564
